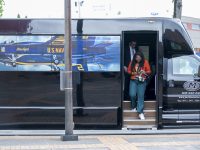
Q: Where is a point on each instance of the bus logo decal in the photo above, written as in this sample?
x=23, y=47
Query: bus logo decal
x=191, y=86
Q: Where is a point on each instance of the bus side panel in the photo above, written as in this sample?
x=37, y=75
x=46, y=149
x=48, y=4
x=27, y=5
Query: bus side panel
x=181, y=93
x=33, y=100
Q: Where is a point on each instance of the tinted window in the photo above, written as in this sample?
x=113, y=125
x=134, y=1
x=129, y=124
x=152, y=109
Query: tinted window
x=176, y=40
x=187, y=65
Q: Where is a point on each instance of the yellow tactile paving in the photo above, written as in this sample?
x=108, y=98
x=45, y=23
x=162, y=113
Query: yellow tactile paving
x=116, y=142
x=169, y=135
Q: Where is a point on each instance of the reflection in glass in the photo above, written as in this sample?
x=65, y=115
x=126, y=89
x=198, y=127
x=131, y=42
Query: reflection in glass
x=185, y=65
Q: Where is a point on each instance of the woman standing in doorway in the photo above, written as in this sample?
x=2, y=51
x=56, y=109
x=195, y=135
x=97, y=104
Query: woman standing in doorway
x=139, y=69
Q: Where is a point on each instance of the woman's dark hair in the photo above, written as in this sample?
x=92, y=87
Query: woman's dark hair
x=141, y=64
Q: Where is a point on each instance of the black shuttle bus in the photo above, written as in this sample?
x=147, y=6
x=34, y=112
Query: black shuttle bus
x=32, y=55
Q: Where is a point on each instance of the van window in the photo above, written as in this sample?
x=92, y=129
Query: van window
x=185, y=65
x=175, y=46
x=176, y=40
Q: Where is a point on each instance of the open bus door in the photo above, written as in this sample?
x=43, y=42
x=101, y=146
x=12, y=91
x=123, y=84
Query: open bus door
x=147, y=42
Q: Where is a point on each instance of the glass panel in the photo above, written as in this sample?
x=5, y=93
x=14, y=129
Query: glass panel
x=46, y=53
x=25, y=53
x=57, y=51
x=176, y=40
x=185, y=65
x=31, y=53
x=7, y=53
x=96, y=53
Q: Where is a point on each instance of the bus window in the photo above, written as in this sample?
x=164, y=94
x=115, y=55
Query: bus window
x=176, y=40
x=185, y=65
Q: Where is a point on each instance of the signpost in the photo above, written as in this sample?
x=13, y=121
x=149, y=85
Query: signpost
x=66, y=77
x=177, y=9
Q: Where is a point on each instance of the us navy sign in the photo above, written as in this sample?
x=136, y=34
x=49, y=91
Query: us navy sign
x=191, y=86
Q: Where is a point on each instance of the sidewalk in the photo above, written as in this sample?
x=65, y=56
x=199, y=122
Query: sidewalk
x=103, y=142
x=99, y=132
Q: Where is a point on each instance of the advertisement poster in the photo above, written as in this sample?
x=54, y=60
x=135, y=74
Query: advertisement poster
x=46, y=53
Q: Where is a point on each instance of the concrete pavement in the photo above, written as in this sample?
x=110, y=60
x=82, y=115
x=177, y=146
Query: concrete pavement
x=103, y=142
x=166, y=139
x=100, y=132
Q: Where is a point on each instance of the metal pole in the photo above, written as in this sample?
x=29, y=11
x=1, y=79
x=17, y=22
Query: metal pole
x=177, y=8
x=69, y=125
x=79, y=9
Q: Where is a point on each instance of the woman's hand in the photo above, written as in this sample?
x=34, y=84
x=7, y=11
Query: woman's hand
x=142, y=71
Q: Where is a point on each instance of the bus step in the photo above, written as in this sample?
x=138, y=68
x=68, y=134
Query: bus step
x=140, y=127
x=147, y=113
x=147, y=105
x=128, y=121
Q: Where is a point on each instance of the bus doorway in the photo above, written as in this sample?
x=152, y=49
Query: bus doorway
x=147, y=42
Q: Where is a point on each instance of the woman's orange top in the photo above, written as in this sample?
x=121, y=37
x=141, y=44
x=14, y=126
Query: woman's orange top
x=146, y=68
